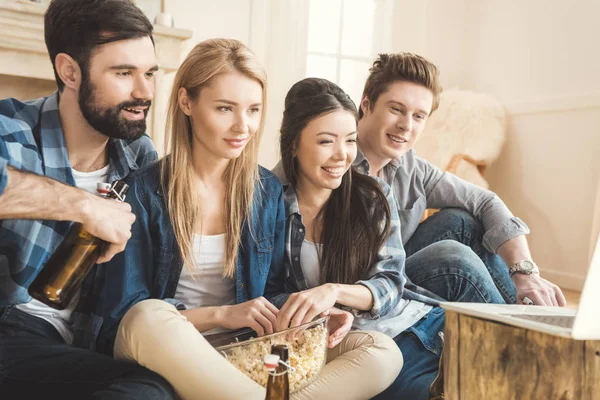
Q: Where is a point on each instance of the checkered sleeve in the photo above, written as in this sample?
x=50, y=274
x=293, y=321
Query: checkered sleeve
x=386, y=277
x=4, y=155
x=3, y=174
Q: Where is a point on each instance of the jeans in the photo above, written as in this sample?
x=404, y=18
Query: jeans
x=449, y=243
x=421, y=347
x=445, y=256
x=35, y=362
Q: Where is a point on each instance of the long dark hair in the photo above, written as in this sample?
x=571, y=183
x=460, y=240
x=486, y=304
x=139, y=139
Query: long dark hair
x=356, y=217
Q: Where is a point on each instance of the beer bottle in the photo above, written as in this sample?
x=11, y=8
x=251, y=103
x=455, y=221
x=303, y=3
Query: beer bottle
x=61, y=277
x=278, y=385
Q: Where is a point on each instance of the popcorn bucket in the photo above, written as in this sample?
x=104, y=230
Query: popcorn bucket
x=307, y=346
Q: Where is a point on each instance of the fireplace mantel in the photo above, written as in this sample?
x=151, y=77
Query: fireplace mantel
x=23, y=50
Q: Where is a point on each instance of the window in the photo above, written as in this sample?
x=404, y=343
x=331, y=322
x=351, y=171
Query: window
x=344, y=36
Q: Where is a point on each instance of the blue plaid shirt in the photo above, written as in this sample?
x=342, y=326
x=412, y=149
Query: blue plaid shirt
x=386, y=279
x=31, y=139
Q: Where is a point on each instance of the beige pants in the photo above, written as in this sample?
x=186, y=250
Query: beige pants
x=154, y=334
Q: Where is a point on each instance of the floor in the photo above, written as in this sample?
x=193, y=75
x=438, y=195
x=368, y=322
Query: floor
x=572, y=297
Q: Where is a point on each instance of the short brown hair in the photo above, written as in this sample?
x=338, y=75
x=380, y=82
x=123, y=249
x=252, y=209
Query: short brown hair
x=408, y=67
x=77, y=27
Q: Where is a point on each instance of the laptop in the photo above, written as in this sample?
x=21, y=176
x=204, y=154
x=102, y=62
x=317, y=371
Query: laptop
x=581, y=324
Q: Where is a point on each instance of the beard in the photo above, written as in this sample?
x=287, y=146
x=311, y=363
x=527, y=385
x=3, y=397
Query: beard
x=108, y=120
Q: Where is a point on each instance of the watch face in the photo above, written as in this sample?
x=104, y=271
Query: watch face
x=526, y=266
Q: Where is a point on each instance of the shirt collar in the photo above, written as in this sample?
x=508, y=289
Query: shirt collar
x=363, y=166
x=291, y=200
x=52, y=139
x=121, y=157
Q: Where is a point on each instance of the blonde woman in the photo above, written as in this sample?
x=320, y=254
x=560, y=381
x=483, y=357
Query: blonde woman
x=210, y=227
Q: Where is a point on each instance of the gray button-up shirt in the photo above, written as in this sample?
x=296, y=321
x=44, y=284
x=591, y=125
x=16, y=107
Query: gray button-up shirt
x=418, y=185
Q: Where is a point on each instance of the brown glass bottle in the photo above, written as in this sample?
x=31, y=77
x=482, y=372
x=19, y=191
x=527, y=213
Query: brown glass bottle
x=278, y=385
x=61, y=277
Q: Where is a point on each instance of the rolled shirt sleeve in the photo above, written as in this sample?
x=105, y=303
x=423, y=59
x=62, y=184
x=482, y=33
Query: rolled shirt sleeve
x=444, y=189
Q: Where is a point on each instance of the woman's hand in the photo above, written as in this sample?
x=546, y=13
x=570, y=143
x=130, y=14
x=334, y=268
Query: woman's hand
x=302, y=307
x=340, y=323
x=258, y=314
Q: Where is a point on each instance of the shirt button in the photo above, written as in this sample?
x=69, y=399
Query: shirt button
x=300, y=230
x=295, y=258
x=241, y=285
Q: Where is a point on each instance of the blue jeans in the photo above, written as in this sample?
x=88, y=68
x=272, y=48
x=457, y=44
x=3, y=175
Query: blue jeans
x=445, y=256
x=35, y=362
x=450, y=243
x=458, y=275
x=421, y=347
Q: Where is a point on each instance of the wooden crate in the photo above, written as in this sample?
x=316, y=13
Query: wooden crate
x=490, y=360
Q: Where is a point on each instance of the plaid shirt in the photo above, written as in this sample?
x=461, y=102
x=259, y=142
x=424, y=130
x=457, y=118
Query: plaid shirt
x=386, y=279
x=31, y=139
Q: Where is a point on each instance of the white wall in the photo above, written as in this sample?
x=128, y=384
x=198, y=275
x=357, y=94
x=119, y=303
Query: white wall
x=540, y=59
x=270, y=29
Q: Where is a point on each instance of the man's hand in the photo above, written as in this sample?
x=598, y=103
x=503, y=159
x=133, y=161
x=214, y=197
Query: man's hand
x=258, y=314
x=29, y=196
x=108, y=220
x=539, y=290
x=340, y=323
x=302, y=307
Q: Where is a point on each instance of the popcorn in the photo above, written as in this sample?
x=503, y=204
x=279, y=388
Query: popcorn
x=307, y=355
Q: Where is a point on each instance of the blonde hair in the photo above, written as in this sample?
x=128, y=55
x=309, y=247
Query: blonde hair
x=207, y=60
x=390, y=68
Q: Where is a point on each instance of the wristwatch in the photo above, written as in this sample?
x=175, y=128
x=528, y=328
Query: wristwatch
x=525, y=267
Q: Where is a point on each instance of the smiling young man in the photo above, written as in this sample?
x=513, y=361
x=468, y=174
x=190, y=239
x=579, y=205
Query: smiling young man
x=53, y=153
x=400, y=94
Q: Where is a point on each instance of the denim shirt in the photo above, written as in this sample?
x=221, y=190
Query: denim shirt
x=386, y=279
x=151, y=264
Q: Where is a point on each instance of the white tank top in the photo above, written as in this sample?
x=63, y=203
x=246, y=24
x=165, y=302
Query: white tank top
x=205, y=285
x=310, y=263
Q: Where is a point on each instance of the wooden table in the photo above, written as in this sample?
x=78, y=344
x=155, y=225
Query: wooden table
x=490, y=360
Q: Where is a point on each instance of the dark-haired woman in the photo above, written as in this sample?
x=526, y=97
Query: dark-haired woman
x=343, y=240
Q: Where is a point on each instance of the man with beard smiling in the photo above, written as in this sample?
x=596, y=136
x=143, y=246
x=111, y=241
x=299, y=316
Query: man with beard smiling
x=53, y=153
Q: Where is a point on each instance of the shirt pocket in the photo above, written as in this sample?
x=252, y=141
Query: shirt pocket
x=410, y=217
x=264, y=249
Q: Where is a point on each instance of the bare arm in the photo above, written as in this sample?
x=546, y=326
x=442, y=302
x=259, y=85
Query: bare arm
x=538, y=289
x=303, y=306
x=514, y=250
x=358, y=296
x=204, y=318
x=29, y=196
x=258, y=314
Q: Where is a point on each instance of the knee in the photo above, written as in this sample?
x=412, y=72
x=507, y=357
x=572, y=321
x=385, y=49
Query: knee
x=147, y=315
x=389, y=360
x=459, y=256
